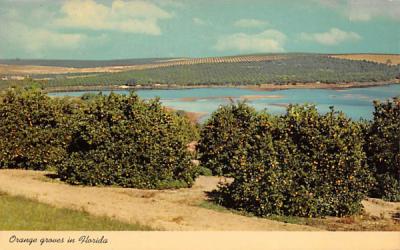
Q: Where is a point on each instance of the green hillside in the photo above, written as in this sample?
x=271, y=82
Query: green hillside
x=285, y=69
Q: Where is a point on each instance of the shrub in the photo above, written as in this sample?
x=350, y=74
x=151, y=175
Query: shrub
x=31, y=134
x=124, y=141
x=205, y=171
x=383, y=149
x=302, y=164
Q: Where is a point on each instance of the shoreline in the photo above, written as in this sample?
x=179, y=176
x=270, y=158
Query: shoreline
x=260, y=87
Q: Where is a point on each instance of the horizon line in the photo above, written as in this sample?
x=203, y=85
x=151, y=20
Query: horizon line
x=187, y=57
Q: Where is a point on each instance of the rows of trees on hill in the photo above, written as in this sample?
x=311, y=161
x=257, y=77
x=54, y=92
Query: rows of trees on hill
x=301, y=163
x=291, y=69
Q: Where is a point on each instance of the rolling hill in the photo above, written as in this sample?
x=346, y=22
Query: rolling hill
x=291, y=68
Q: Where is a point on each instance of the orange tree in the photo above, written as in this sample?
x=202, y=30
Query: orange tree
x=31, y=134
x=125, y=141
x=383, y=149
x=302, y=163
x=224, y=135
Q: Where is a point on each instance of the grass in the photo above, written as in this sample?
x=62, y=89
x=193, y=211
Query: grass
x=18, y=213
x=213, y=206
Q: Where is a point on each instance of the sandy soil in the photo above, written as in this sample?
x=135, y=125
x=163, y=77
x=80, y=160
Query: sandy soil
x=165, y=210
x=379, y=58
x=37, y=70
x=382, y=209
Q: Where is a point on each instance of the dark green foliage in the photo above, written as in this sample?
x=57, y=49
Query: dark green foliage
x=31, y=134
x=228, y=130
x=302, y=163
x=122, y=140
x=205, y=171
x=383, y=149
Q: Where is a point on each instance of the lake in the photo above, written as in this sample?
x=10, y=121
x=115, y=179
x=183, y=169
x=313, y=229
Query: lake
x=355, y=102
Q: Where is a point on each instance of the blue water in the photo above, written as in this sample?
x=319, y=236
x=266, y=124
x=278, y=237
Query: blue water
x=355, y=102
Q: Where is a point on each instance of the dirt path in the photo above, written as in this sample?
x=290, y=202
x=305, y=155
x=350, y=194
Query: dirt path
x=165, y=210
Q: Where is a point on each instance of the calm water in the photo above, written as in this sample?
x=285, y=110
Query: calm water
x=355, y=102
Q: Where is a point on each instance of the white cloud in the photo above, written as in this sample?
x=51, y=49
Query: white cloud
x=133, y=17
x=37, y=40
x=267, y=41
x=199, y=21
x=332, y=37
x=250, y=23
x=365, y=10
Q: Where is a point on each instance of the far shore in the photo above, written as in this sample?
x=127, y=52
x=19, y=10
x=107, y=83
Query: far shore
x=317, y=85
x=261, y=87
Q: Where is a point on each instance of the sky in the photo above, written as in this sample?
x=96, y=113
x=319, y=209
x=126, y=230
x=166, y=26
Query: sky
x=117, y=29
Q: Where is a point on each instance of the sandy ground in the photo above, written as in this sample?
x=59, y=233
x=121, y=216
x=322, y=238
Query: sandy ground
x=164, y=210
x=382, y=209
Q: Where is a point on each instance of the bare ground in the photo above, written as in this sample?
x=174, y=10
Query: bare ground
x=180, y=209
x=160, y=209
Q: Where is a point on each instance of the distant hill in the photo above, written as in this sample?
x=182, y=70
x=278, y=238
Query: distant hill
x=279, y=69
x=291, y=68
x=79, y=64
x=379, y=58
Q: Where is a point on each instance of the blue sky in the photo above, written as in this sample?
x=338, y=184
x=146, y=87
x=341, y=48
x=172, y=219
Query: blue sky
x=111, y=29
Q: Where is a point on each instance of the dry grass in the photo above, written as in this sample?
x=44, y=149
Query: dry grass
x=361, y=222
x=392, y=59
